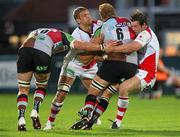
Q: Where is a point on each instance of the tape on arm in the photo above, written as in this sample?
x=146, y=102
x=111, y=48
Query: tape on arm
x=72, y=44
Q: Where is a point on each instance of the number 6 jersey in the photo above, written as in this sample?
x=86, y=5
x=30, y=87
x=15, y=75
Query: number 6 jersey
x=117, y=28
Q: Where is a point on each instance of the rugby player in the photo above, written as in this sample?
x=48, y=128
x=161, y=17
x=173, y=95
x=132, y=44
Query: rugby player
x=84, y=67
x=147, y=45
x=114, y=68
x=34, y=58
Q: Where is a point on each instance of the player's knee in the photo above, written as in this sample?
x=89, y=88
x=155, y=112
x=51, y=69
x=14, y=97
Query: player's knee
x=42, y=83
x=63, y=87
x=23, y=86
x=123, y=90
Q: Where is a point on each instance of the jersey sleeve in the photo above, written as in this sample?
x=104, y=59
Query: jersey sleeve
x=143, y=38
x=97, y=32
x=67, y=38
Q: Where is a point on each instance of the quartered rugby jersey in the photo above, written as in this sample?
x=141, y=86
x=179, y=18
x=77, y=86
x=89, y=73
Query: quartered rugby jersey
x=117, y=28
x=48, y=39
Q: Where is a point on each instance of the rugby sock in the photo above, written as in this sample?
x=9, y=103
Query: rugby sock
x=122, y=107
x=22, y=101
x=90, y=103
x=101, y=107
x=39, y=97
x=55, y=108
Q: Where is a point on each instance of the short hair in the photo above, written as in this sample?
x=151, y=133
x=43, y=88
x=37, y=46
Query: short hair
x=139, y=16
x=77, y=11
x=106, y=10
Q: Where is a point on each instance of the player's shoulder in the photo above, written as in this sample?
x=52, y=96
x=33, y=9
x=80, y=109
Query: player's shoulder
x=97, y=22
x=121, y=19
x=147, y=32
x=76, y=30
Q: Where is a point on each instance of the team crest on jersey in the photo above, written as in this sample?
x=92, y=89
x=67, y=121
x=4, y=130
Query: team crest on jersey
x=123, y=24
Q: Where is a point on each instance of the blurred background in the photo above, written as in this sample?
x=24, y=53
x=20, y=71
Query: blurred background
x=19, y=17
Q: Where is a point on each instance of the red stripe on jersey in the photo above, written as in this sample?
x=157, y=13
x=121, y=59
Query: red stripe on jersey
x=121, y=20
x=122, y=109
x=149, y=64
x=149, y=31
x=90, y=65
x=55, y=35
x=132, y=33
x=40, y=92
x=95, y=21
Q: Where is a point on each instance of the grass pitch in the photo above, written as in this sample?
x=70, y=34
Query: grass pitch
x=144, y=118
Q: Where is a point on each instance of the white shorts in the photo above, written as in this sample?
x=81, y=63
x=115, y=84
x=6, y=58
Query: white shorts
x=143, y=75
x=74, y=69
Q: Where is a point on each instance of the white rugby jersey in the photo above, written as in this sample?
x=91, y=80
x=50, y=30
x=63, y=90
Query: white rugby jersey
x=149, y=54
x=80, y=34
x=117, y=28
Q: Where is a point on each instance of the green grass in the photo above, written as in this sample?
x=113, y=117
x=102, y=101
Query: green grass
x=144, y=118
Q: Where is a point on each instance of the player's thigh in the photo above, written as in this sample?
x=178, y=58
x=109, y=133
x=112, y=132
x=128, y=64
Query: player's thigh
x=24, y=82
x=27, y=76
x=86, y=82
x=41, y=76
x=41, y=79
x=131, y=85
x=66, y=79
x=41, y=62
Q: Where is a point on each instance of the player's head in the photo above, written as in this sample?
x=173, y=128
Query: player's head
x=106, y=10
x=82, y=16
x=138, y=21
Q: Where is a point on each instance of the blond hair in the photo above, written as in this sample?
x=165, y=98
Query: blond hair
x=106, y=10
x=77, y=11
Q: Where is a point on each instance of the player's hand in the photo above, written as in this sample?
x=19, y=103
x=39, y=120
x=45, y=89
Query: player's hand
x=109, y=46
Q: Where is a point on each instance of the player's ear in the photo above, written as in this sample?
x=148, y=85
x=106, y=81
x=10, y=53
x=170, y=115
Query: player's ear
x=78, y=21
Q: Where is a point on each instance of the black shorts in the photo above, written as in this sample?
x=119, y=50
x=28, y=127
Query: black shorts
x=30, y=59
x=114, y=71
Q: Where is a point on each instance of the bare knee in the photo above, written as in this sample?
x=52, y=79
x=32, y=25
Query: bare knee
x=60, y=96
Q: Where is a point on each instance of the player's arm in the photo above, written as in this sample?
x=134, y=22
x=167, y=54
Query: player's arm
x=94, y=45
x=88, y=46
x=141, y=40
x=125, y=48
x=82, y=45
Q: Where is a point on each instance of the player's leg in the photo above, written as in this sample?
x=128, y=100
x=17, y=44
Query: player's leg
x=86, y=82
x=132, y=84
x=104, y=77
x=39, y=95
x=102, y=104
x=137, y=83
x=22, y=97
x=41, y=64
x=24, y=75
x=64, y=85
x=98, y=85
